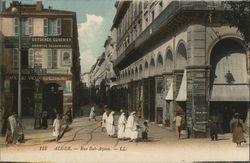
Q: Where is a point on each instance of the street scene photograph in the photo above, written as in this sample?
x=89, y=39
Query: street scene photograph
x=124, y=81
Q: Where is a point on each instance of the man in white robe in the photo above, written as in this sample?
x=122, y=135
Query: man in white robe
x=13, y=126
x=110, y=125
x=104, y=120
x=92, y=113
x=132, y=125
x=121, y=126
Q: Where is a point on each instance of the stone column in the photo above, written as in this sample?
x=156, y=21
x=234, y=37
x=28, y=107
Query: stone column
x=197, y=100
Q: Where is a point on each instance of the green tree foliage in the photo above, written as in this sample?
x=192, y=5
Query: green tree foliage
x=239, y=16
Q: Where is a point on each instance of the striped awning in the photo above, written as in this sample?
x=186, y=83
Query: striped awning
x=182, y=94
x=170, y=94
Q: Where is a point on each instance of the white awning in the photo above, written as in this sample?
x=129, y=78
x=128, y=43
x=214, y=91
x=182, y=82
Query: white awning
x=230, y=93
x=182, y=94
x=170, y=95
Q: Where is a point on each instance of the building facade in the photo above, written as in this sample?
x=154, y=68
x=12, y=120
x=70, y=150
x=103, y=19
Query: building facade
x=50, y=67
x=180, y=56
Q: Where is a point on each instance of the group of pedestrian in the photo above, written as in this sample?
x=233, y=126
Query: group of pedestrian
x=236, y=128
x=127, y=127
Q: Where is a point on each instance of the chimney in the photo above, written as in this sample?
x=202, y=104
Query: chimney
x=39, y=6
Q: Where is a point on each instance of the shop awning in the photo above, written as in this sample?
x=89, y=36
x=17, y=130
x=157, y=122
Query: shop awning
x=222, y=92
x=182, y=94
x=170, y=94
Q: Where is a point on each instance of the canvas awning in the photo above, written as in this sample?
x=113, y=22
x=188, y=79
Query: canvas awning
x=170, y=94
x=222, y=92
x=182, y=94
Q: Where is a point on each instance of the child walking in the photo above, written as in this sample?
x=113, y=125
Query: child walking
x=145, y=131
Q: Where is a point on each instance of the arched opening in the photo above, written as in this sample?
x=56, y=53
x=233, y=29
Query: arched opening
x=169, y=60
x=152, y=62
x=146, y=65
x=140, y=68
x=229, y=90
x=136, y=72
x=181, y=56
x=53, y=99
x=159, y=60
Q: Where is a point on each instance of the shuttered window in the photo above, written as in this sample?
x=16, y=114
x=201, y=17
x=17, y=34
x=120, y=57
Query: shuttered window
x=15, y=58
x=52, y=58
x=30, y=26
x=31, y=58
x=15, y=26
x=52, y=26
x=45, y=27
x=59, y=26
x=26, y=26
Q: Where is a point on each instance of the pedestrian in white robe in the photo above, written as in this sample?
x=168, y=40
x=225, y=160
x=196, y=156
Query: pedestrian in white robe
x=13, y=127
x=104, y=120
x=110, y=124
x=92, y=113
x=56, y=127
x=121, y=126
x=132, y=127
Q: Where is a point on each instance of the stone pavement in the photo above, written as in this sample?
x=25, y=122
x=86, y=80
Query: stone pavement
x=85, y=138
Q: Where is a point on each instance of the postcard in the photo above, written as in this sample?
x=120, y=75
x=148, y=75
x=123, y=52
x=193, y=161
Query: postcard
x=119, y=81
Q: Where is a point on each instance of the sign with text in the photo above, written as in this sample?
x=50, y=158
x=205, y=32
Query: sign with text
x=39, y=42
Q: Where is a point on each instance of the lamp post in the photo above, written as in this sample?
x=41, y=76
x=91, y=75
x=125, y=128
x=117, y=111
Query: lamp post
x=14, y=10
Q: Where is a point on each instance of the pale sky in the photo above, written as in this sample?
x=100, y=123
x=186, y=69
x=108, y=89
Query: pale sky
x=94, y=19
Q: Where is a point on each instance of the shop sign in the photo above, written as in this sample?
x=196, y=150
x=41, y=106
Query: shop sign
x=39, y=42
x=57, y=71
x=27, y=77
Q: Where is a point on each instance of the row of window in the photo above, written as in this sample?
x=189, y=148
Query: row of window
x=30, y=59
x=51, y=26
x=125, y=29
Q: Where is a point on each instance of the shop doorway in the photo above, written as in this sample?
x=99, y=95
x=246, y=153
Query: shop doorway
x=225, y=111
x=52, y=99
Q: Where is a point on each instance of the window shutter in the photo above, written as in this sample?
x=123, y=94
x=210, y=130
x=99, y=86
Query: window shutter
x=15, y=58
x=50, y=58
x=15, y=25
x=59, y=26
x=45, y=27
x=30, y=25
x=54, y=59
x=31, y=58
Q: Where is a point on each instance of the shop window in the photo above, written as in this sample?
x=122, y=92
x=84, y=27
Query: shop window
x=52, y=26
x=52, y=58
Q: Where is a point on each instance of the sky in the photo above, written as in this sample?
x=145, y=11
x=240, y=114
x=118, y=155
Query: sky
x=94, y=19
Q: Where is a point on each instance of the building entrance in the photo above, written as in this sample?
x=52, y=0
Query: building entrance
x=52, y=99
x=229, y=88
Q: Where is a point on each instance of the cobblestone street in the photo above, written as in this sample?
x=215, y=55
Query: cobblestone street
x=85, y=138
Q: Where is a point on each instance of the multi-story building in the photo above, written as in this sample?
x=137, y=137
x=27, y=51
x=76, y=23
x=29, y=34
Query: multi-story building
x=102, y=75
x=50, y=67
x=180, y=56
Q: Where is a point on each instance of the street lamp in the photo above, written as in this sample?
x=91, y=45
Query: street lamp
x=16, y=11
